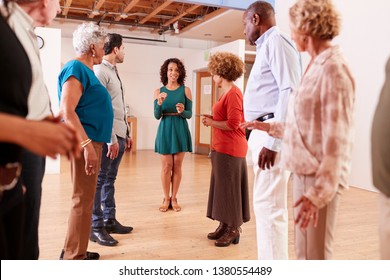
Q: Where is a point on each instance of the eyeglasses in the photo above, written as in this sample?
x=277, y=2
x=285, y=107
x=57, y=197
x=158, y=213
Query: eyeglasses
x=9, y=175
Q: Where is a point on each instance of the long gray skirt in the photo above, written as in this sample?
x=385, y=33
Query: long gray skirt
x=228, y=196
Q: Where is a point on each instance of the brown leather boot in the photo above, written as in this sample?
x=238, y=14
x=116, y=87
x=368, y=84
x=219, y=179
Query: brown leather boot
x=231, y=235
x=218, y=232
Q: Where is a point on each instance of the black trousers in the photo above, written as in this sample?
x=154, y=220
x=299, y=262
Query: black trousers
x=11, y=223
x=32, y=176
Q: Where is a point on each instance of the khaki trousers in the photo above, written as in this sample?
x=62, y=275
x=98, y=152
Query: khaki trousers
x=80, y=217
x=384, y=226
x=315, y=243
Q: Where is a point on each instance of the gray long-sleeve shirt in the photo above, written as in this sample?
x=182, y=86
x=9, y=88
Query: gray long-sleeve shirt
x=106, y=74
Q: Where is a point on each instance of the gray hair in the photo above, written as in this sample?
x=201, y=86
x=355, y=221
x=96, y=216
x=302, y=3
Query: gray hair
x=87, y=34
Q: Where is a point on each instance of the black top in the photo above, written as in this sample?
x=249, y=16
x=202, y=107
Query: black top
x=15, y=83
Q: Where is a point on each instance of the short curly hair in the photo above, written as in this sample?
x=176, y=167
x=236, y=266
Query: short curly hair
x=164, y=71
x=226, y=65
x=316, y=18
x=87, y=34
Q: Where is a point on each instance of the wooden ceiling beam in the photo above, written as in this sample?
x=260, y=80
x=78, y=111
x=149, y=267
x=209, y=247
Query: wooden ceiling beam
x=205, y=18
x=97, y=7
x=99, y=4
x=156, y=11
x=129, y=6
x=67, y=5
x=176, y=18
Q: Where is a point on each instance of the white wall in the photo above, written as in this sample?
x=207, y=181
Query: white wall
x=140, y=74
x=198, y=62
x=50, y=57
x=365, y=41
x=68, y=28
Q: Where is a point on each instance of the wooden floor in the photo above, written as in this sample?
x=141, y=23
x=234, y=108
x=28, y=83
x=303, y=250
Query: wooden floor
x=182, y=235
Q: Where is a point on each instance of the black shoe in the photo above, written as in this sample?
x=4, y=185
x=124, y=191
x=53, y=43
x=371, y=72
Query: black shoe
x=101, y=236
x=90, y=255
x=62, y=255
x=113, y=226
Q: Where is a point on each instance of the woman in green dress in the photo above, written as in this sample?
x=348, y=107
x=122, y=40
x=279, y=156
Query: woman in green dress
x=173, y=105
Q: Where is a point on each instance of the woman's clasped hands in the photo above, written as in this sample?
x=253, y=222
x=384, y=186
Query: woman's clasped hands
x=207, y=120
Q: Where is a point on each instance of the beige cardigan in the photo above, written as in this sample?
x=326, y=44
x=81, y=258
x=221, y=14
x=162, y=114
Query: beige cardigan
x=318, y=134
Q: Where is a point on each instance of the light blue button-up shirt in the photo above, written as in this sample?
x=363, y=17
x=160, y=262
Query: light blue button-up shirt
x=276, y=71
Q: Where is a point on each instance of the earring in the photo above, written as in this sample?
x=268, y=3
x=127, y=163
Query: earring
x=93, y=55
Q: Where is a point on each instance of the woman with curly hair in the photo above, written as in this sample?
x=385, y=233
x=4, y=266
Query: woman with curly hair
x=228, y=196
x=318, y=134
x=173, y=105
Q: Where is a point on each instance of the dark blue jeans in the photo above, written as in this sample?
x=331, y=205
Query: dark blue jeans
x=32, y=176
x=104, y=204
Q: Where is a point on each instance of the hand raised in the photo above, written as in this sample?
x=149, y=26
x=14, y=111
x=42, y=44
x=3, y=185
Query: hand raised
x=161, y=97
x=180, y=108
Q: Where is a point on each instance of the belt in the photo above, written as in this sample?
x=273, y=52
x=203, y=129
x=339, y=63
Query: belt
x=171, y=114
x=260, y=119
x=265, y=117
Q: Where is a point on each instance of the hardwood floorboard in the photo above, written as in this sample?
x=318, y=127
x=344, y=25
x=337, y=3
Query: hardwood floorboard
x=182, y=235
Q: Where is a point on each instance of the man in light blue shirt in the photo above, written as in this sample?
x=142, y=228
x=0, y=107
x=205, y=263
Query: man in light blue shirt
x=275, y=72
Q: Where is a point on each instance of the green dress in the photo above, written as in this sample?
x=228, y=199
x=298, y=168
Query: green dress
x=173, y=134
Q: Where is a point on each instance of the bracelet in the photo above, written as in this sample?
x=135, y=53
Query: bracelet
x=85, y=142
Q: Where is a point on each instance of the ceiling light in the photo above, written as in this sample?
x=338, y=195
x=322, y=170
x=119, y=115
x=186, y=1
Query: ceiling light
x=207, y=34
x=176, y=27
x=123, y=15
x=95, y=12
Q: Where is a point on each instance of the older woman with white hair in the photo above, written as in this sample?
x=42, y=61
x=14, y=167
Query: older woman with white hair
x=86, y=104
